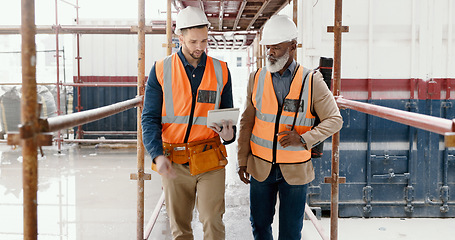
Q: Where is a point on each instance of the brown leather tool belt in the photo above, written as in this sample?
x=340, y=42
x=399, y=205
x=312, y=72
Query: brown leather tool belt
x=203, y=156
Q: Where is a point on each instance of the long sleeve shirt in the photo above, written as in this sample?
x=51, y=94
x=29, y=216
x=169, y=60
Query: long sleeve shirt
x=282, y=83
x=153, y=103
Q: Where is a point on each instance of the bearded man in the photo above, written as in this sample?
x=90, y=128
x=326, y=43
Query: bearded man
x=277, y=133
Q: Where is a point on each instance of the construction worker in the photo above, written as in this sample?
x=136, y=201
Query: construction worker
x=276, y=135
x=180, y=90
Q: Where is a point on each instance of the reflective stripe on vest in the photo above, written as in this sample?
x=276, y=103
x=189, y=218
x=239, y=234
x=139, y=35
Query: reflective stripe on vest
x=266, y=104
x=177, y=97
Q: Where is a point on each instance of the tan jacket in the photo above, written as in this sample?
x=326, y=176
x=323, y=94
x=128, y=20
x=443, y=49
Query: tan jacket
x=323, y=104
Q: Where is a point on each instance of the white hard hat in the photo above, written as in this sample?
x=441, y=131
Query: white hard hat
x=190, y=17
x=278, y=29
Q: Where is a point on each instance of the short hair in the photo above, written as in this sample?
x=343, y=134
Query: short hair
x=184, y=30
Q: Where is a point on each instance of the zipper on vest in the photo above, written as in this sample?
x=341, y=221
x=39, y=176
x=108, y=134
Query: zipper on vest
x=278, y=116
x=190, y=121
x=275, y=137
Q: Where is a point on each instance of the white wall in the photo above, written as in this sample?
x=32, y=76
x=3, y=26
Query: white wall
x=116, y=55
x=387, y=38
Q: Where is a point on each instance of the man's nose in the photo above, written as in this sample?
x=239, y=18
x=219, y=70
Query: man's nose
x=200, y=46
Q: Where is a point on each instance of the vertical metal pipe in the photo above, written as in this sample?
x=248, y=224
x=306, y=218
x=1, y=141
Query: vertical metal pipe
x=261, y=55
x=57, y=57
x=336, y=137
x=258, y=50
x=294, y=18
x=169, y=28
x=248, y=60
x=368, y=189
x=140, y=145
x=29, y=118
x=409, y=188
x=450, y=57
x=78, y=57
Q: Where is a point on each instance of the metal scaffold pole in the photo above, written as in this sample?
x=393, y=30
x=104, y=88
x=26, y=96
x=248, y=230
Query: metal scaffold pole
x=57, y=58
x=29, y=120
x=168, y=45
x=335, y=180
x=169, y=29
x=78, y=58
x=140, y=176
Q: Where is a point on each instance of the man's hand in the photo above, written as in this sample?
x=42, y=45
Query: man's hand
x=244, y=175
x=290, y=138
x=226, y=132
x=164, y=167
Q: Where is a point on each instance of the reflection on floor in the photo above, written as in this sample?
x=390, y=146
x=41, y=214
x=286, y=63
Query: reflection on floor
x=85, y=193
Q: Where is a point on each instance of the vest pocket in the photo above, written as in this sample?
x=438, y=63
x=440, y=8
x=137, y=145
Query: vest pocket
x=290, y=105
x=206, y=96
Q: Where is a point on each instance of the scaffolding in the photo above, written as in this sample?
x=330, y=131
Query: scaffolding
x=34, y=132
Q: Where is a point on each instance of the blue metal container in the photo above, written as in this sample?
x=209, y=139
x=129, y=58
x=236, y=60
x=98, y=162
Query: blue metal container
x=95, y=97
x=391, y=170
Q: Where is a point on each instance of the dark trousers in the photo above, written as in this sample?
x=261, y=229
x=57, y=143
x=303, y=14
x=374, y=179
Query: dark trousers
x=263, y=197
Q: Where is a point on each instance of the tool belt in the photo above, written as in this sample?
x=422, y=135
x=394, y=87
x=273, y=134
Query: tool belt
x=202, y=156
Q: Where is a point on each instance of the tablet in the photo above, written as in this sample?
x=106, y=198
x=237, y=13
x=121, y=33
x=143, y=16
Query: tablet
x=216, y=116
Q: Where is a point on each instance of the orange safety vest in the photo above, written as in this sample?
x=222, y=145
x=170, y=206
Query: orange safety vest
x=177, y=95
x=271, y=120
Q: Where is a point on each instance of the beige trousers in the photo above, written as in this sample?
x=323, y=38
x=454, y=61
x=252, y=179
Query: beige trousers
x=207, y=191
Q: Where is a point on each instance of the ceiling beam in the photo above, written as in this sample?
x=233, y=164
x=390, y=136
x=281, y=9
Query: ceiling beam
x=224, y=40
x=239, y=14
x=259, y=13
x=243, y=42
x=178, y=4
x=202, y=5
x=234, y=41
x=220, y=25
x=214, y=40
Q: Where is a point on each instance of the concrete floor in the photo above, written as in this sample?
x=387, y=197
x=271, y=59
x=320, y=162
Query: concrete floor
x=85, y=193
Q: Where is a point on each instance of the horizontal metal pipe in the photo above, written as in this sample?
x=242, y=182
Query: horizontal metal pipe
x=379, y=203
x=21, y=84
x=109, y=132
x=98, y=29
x=81, y=29
x=422, y=121
x=102, y=84
x=79, y=118
x=126, y=141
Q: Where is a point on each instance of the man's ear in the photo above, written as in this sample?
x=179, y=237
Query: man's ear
x=293, y=46
x=181, y=39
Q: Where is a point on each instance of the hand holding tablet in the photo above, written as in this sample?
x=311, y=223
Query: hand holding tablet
x=226, y=114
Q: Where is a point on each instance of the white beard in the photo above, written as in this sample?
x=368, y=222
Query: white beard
x=279, y=64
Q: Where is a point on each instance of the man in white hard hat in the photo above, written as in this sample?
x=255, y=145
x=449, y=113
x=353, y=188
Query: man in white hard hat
x=180, y=90
x=276, y=132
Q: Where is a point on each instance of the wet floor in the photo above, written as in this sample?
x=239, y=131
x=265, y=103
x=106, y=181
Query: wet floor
x=85, y=193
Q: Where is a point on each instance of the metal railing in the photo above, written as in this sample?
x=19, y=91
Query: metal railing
x=32, y=128
x=79, y=118
x=422, y=121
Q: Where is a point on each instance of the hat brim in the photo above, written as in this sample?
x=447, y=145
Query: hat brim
x=270, y=42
